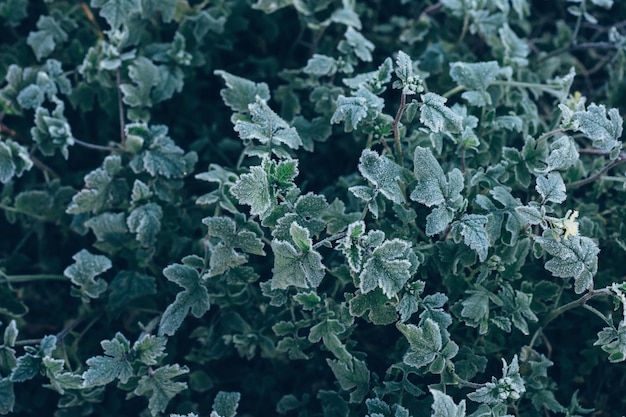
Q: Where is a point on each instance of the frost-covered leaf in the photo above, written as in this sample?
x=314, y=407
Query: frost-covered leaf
x=475, y=76
x=300, y=267
x=409, y=82
x=253, y=189
x=270, y=6
x=573, y=257
x=145, y=222
x=226, y=403
x=267, y=127
x=52, y=130
x=159, y=155
x=438, y=220
x=437, y=116
x=14, y=160
x=430, y=178
x=551, y=187
x=128, y=286
x=29, y=364
x=159, y=386
x=444, y=406
x=563, y=154
x=351, y=246
x=194, y=298
x=320, y=65
x=602, y=130
x=383, y=173
x=7, y=396
x=114, y=365
x=515, y=49
x=145, y=76
x=510, y=386
x=116, y=12
x=374, y=80
x=45, y=40
x=240, y=92
x=613, y=341
x=99, y=188
x=357, y=44
x=165, y=8
x=224, y=228
x=474, y=233
x=425, y=341
x=352, y=376
x=388, y=268
x=84, y=271
x=352, y=110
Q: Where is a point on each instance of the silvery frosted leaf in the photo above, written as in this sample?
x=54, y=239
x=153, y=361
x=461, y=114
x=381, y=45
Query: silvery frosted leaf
x=602, y=130
x=194, y=298
x=85, y=269
x=430, y=178
x=361, y=47
x=474, y=76
x=224, y=228
x=351, y=247
x=116, y=12
x=267, y=127
x=438, y=220
x=437, y=116
x=347, y=16
x=253, y=189
x=352, y=376
x=352, y=110
x=95, y=194
x=551, y=187
x=474, y=234
x=296, y=268
x=159, y=387
x=444, y=406
x=226, y=403
x=516, y=49
x=563, y=154
x=240, y=92
x=145, y=222
x=145, y=76
x=387, y=268
x=374, y=81
x=270, y=6
x=14, y=160
x=384, y=173
x=425, y=342
x=613, y=341
x=320, y=65
x=44, y=41
x=115, y=364
x=573, y=257
x=52, y=130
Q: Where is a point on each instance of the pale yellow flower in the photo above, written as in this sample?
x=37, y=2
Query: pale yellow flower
x=569, y=223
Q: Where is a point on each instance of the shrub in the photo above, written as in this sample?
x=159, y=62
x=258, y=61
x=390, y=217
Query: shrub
x=312, y=208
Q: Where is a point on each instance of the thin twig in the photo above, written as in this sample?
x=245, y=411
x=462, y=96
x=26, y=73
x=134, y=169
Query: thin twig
x=120, y=105
x=96, y=147
x=396, y=130
x=593, y=178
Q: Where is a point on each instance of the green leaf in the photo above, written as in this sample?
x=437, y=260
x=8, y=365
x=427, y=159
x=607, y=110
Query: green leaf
x=383, y=173
x=425, y=341
x=267, y=127
x=253, y=189
x=613, y=341
x=224, y=228
x=602, y=130
x=573, y=257
x=44, y=41
x=351, y=246
x=145, y=221
x=374, y=80
x=377, y=306
x=240, y=93
x=270, y=6
x=114, y=365
x=128, y=286
x=510, y=386
x=60, y=381
x=563, y=154
x=7, y=396
x=409, y=82
x=84, y=271
x=116, y=12
x=438, y=220
x=165, y=8
x=352, y=376
x=387, y=268
x=159, y=154
x=357, y=44
x=52, y=130
x=551, y=187
x=437, y=117
x=472, y=227
x=194, y=298
x=159, y=386
x=444, y=406
x=320, y=65
x=430, y=178
x=145, y=76
x=475, y=76
x=14, y=160
x=99, y=190
x=226, y=403
x=13, y=11
x=301, y=268
x=149, y=349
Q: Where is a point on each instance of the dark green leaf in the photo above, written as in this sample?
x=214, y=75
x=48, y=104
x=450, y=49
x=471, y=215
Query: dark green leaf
x=159, y=387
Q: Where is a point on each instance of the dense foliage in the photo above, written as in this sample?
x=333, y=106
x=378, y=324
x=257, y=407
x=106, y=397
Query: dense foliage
x=312, y=208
